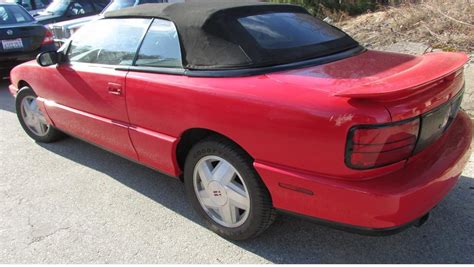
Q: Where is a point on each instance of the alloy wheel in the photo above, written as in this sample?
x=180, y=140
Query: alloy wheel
x=33, y=117
x=221, y=191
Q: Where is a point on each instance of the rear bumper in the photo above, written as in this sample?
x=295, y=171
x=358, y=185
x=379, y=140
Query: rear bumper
x=363, y=230
x=385, y=203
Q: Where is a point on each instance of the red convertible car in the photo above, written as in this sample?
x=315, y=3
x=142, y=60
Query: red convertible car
x=258, y=108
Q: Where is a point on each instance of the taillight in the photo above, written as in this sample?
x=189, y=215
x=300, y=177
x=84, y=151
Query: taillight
x=371, y=146
x=48, y=38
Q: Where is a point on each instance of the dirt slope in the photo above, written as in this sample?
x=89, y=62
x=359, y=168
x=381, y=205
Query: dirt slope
x=421, y=28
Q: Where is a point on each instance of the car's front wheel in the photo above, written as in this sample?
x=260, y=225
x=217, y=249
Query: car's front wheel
x=32, y=118
x=226, y=190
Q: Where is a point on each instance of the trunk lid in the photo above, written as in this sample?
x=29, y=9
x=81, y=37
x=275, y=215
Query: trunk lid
x=407, y=85
x=21, y=37
x=413, y=78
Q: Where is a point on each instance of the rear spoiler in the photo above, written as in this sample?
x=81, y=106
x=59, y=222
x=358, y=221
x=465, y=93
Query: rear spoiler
x=431, y=67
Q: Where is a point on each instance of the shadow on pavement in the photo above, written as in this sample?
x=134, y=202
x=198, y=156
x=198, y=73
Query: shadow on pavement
x=445, y=238
x=7, y=102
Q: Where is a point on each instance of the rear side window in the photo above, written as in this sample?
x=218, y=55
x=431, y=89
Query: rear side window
x=10, y=14
x=108, y=41
x=288, y=30
x=160, y=47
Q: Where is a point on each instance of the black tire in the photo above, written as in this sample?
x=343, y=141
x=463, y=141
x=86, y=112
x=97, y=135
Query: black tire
x=52, y=133
x=261, y=214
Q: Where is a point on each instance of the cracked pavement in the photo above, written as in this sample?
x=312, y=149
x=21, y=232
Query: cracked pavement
x=70, y=202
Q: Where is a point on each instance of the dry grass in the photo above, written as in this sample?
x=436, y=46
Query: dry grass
x=446, y=25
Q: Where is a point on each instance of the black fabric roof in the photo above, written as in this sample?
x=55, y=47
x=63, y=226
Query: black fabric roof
x=209, y=32
x=196, y=14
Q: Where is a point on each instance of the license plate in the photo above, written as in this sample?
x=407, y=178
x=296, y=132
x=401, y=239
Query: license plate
x=12, y=44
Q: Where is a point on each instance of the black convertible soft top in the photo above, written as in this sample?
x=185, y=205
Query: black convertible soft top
x=212, y=38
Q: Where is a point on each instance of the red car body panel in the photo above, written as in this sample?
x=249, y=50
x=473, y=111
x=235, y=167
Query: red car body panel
x=404, y=75
x=83, y=106
x=269, y=120
x=390, y=78
x=293, y=123
x=385, y=202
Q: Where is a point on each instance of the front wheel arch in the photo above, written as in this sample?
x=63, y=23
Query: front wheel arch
x=52, y=134
x=22, y=84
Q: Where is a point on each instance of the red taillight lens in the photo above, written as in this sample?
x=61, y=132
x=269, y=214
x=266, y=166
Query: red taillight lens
x=371, y=146
x=48, y=38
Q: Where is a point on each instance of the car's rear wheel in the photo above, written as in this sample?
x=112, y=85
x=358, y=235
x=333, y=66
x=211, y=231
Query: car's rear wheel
x=226, y=190
x=32, y=118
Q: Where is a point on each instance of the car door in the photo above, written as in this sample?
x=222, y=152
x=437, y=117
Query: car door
x=89, y=94
x=152, y=97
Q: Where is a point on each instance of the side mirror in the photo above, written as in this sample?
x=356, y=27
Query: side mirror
x=45, y=59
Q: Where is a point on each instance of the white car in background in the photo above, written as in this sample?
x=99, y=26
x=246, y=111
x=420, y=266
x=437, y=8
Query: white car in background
x=64, y=30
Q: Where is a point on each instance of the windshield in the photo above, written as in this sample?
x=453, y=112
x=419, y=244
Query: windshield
x=10, y=14
x=57, y=7
x=119, y=4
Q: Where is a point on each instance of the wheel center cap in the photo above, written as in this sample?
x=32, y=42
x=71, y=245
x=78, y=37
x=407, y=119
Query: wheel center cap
x=218, y=193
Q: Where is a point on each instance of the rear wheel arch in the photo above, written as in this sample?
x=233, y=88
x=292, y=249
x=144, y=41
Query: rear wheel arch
x=193, y=136
x=213, y=196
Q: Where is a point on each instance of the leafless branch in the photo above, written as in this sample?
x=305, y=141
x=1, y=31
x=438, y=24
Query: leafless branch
x=451, y=18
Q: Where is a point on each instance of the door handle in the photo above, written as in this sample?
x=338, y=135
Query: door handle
x=115, y=89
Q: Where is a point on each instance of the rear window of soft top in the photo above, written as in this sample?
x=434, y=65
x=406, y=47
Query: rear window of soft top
x=288, y=30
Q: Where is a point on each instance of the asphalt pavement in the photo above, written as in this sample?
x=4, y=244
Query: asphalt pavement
x=70, y=202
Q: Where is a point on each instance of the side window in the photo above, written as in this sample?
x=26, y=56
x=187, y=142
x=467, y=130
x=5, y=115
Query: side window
x=40, y=4
x=80, y=8
x=108, y=41
x=88, y=7
x=99, y=5
x=160, y=47
x=27, y=4
x=75, y=9
x=152, y=1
